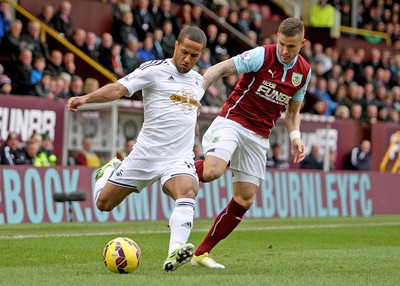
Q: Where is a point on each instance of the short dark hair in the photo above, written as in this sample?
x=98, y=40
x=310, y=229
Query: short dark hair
x=192, y=33
x=291, y=27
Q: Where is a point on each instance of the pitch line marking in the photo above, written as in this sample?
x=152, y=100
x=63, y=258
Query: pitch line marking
x=244, y=228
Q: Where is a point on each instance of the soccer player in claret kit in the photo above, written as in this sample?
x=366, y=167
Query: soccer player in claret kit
x=274, y=80
x=164, y=148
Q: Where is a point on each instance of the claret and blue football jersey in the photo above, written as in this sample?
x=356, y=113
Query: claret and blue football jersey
x=265, y=89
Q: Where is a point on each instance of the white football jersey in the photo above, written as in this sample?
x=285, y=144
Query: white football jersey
x=170, y=108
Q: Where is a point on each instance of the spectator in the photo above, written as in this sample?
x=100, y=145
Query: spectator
x=155, y=12
x=44, y=87
x=90, y=84
x=116, y=62
x=39, y=64
x=197, y=13
x=274, y=160
x=45, y=156
x=212, y=35
x=54, y=65
x=142, y=21
x=32, y=41
x=322, y=93
x=342, y=112
x=105, y=50
x=5, y=84
x=91, y=48
x=244, y=21
x=123, y=30
x=157, y=44
x=11, y=44
x=129, y=58
x=5, y=18
x=129, y=143
x=65, y=84
x=166, y=15
x=87, y=157
x=168, y=40
x=221, y=50
x=204, y=61
x=360, y=157
x=78, y=38
x=322, y=14
x=313, y=160
x=345, y=14
x=76, y=88
x=62, y=21
x=69, y=63
x=46, y=14
x=11, y=152
x=145, y=53
x=184, y=17
x=22, y=73
x=31, y=150
x=119, y=7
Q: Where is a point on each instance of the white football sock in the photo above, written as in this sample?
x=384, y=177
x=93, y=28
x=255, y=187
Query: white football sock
x=181, y=222
x=101, y=182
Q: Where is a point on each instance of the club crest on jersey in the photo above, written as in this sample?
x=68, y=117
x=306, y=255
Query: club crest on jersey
x=215, y=139
x=296, y=79
x=186, y=100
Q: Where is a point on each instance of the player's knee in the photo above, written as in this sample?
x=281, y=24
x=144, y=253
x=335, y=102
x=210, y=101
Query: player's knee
x=211, y=174
x=103, y=205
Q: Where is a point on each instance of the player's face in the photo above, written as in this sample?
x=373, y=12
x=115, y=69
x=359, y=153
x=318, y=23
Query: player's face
x=186, y=54
x=289, y=47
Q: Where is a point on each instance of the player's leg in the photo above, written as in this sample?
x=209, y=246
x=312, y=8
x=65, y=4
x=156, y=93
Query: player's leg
x=183, y=189
x=226, y=221
x=248, y=167
x=219, y=143
x=114, y=182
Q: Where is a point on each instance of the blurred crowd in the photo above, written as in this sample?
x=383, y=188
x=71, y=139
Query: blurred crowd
x=348, y=83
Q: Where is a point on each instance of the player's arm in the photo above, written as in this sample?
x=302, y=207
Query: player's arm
x=222, y=69
x=292, y=121
x=109, y=92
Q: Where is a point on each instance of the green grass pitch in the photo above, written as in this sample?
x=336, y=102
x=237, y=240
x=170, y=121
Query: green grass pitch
x=329, y=251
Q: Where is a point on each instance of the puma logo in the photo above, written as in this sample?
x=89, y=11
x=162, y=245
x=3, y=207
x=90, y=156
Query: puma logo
x=272, y=73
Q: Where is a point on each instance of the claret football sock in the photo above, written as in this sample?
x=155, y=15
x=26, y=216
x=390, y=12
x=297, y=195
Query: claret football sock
x=199, y=164
x=224, y=224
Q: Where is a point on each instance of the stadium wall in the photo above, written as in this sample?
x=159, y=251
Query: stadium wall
x=26, y=196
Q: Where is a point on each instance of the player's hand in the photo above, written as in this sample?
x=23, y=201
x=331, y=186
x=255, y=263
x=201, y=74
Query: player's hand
x=299, y=150
x=74, y=102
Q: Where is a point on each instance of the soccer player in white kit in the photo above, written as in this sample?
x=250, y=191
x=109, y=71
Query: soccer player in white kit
x=164, y=148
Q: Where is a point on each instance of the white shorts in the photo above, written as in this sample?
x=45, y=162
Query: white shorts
x=139, y=170
x=244, y=149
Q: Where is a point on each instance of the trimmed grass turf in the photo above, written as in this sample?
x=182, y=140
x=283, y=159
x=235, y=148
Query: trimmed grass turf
x=329, y=251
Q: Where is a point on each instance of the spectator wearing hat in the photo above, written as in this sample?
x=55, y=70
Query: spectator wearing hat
x=11, y=152
x=5, y=84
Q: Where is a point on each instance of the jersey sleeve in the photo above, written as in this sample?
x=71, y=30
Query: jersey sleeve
x=299, y=95
x=249, y=61
x=140, y=78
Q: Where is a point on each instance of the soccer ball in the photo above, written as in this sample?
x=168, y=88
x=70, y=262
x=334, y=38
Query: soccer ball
x=121, y=255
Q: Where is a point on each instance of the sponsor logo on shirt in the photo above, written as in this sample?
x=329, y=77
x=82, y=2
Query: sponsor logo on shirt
x=186, y=100
x=268, y=91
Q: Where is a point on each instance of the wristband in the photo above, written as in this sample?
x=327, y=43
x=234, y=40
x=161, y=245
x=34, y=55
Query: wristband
x=294, y=134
